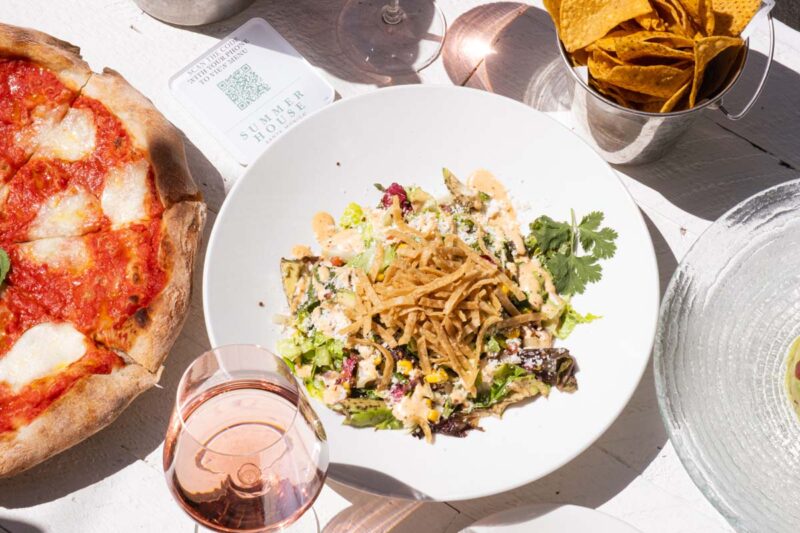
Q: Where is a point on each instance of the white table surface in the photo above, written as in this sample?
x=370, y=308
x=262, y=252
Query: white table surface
x=114, y=480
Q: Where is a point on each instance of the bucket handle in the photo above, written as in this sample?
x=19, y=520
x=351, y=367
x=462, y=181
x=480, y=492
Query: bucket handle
x=760, y=88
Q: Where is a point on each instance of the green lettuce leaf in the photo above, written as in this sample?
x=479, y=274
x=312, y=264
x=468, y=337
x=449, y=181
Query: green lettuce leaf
x=570, y=319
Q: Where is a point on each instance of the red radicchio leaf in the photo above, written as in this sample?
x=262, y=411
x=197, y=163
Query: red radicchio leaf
x=396, y=190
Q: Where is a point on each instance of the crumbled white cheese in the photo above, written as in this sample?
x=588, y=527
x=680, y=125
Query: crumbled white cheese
x=343, y=278
x=333, y=392
x=445, y=223
x=425, y=222
x=303, y=371
x=380, y=220
x=469, y=238
x=411, y=406
x=493, y=207
x=330, y=320
x=459, y=395
x=511, y=359
x=366, y=373
x=488, y=369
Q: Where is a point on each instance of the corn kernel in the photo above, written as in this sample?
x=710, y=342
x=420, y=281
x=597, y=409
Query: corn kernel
x=437, y=377
x=380, y=276
x=404, y=366
x=505, y=289
x=433, y=415
x=401, y=246
x=513, y=334
x=346, y=386
x=377, y=360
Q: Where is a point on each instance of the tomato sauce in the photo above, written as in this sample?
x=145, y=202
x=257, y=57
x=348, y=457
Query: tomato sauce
x=122, y=276
x=18, y=408
x=41, y=179
x=27, y=92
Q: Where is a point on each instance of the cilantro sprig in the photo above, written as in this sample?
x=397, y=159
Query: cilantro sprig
x=5, y=265
x=571, y=250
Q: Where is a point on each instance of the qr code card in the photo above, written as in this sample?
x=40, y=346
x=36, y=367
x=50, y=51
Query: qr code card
x=249, y=88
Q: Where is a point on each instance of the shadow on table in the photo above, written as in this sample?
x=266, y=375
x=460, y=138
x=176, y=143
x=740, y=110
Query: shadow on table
x=15, y=526
x=368, y=512
x=311, y=27
x=719, y=162
x=140, y=429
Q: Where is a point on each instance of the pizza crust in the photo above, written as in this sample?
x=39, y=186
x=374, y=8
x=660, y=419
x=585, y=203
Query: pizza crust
x=147, y=337
x=90, y=405
x=150, y=131
x=61, y=57
x=149, y=334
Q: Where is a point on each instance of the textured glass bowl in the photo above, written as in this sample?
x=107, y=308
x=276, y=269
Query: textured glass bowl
x=728, y=318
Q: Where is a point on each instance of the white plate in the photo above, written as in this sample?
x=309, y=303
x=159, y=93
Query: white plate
x=408, y=134
x=548, y=518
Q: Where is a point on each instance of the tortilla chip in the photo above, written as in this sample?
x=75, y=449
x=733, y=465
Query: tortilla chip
x=625, y=94
x=673, y=40
x=609, y=91
x=705, y=50
x=582, y=22
x=601, y=63
x=554, y=8
x=720, y=71
x=701, y=13
x=656, y=80
x=651, y=21
x=628, y=50
x=674, y=17
x=732, y=16
x=669, y=105
x=580, y=57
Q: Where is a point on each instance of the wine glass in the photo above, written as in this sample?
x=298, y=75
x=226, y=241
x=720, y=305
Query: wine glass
x=391, y=37
x=244, y=451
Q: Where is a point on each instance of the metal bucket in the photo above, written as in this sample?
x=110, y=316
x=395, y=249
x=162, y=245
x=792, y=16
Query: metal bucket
x=192, y=12
x=628, y=136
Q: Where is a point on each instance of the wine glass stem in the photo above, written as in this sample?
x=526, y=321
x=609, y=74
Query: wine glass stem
x=392, y=12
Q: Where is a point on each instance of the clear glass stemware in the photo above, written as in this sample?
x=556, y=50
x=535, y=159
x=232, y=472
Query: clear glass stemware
x=391, y=37
x=244, y=451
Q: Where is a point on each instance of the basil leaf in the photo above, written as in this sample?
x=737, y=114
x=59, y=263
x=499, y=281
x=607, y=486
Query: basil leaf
x=5, y=265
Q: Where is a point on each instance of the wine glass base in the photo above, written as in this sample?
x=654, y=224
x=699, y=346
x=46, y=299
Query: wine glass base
x=391, y=49
x=307, y=523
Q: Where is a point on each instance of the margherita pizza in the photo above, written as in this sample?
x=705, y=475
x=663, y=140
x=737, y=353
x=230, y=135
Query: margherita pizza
x=100, y=221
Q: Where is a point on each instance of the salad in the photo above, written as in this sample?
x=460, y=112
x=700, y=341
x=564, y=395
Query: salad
x=427, y=314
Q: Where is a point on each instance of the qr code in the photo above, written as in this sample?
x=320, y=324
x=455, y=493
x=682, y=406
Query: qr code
x=243, y=86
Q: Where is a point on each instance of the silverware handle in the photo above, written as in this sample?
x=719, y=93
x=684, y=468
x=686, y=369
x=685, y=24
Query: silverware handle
x=760, y=88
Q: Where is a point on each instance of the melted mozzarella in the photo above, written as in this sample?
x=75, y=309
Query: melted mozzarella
x=125, y=192
x=41, y=351
x=73, y=139
x=71, y=212
x=71, y=254
x=44, y=120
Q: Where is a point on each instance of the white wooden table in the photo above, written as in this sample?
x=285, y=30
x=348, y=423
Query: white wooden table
x=114, y=481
